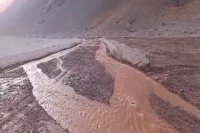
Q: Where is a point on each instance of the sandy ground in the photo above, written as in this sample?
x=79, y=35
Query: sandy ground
x=17, y=50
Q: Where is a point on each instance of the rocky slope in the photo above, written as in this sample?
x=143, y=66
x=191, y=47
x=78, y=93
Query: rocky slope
x=49, y=16
x=101, y=17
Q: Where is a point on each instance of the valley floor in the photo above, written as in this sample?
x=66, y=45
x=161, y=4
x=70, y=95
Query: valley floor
x=82, y=89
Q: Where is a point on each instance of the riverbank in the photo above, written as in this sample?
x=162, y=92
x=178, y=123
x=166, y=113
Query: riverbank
x=175, y=64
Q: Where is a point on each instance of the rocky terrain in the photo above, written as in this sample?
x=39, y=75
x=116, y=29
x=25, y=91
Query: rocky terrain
x=100, y=66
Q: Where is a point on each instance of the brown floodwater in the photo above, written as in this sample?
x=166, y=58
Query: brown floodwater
x=129, y=110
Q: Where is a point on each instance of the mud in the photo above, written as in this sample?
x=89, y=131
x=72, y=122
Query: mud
x=176, y=116
x=174, y=63
x=19, y=110
x=129, y=109
x=94, y=93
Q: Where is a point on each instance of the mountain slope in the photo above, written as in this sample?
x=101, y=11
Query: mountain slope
x=61, y=16
x=49, y=16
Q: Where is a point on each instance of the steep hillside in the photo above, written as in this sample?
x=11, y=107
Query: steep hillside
x=136, y=17
x=137, y=14
x=49, y=16
x=152, y=18
x=21, y=16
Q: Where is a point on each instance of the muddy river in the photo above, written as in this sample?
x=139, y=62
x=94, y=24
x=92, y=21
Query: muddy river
x=129, y=110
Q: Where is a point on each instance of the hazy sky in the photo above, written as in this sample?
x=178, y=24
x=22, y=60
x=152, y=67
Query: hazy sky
x=4, y=4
